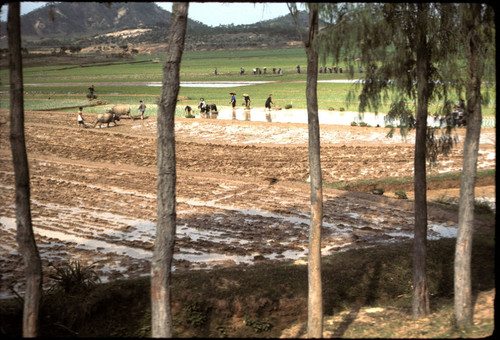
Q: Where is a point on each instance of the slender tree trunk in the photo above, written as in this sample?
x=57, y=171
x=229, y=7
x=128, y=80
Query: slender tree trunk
x=462, y=266
x=25, y=236
x=315, y=295
x=420, y=289
x=161, y=265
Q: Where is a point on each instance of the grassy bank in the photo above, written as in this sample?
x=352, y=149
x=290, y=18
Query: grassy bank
x=265, y=299
x=403, y=182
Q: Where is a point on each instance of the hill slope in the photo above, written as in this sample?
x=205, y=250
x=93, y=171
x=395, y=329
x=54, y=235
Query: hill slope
x=89, y=18
x=86, y=24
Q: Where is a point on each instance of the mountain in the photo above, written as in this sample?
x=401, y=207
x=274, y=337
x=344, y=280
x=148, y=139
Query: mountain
x=76, y=19
x=96, y=25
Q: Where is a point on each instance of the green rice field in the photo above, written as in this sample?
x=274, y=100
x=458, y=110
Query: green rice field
x=65, y=87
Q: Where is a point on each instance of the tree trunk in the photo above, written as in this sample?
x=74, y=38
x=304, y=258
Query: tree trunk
x=420, y=289
x=462, y=266
x=315, y=296
x=25, y=236
x=161, y=265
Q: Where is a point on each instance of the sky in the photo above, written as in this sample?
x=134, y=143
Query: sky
x=210, y=13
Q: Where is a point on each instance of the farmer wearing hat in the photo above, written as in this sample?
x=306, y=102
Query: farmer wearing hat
x=247, y=100
x=233, y=103
x=233, y=99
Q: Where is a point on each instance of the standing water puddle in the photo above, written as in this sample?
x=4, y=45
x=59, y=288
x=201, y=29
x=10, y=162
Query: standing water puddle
x=300, y=116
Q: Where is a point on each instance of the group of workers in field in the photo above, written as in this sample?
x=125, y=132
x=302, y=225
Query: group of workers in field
x=204, y=108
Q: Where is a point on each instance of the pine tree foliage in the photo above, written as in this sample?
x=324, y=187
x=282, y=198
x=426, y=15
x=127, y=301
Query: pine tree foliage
x=409, y=52
x=381, y=38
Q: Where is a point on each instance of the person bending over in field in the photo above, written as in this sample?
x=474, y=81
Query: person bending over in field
x=91, y=92
x=247, y=100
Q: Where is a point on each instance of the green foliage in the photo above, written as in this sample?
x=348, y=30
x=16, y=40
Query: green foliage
x=436, y=146
x=195, y=315
x=222, y=332
x=73, y=277
x=401, y=194
x=401, y=181
x=258, y=326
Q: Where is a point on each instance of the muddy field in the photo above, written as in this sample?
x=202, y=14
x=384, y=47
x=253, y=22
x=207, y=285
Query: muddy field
x=242, y=192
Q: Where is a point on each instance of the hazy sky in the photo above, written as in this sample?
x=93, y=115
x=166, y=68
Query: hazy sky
x=210, y=13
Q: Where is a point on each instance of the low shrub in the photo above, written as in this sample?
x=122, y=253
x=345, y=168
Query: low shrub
x=73, y=277
x=401, y=194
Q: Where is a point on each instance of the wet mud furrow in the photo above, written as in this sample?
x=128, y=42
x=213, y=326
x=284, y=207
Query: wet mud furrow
x=242, y=195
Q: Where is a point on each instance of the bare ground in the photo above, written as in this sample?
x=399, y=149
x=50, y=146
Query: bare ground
x=242, y=194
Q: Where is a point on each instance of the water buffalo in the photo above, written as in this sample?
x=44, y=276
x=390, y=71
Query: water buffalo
x=120, y=110
x=212, y=108
x=106, y=118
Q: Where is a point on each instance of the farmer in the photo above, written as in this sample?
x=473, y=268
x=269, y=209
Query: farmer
x=91, y=92
x=202, y=107
x=247, y=100
x=141, y=108
x=233, y=100
x=269, y=101
x=81, y=122
x=233, y=103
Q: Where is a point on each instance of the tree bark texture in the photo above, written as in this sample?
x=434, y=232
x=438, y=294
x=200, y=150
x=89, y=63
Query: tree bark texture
x=25, y=236
x=163, y=252
x=420, y=305
x=463, y=250
x=315, y=295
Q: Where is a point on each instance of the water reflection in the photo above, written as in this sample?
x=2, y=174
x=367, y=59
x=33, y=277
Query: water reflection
x=300, y=116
